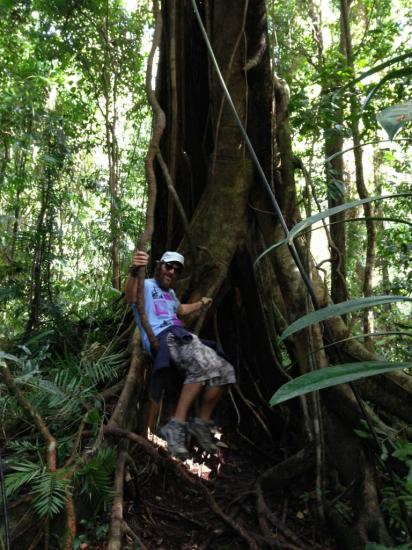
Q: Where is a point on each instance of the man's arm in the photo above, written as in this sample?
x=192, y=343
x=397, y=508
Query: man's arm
x=140, y=259
x=196, y=307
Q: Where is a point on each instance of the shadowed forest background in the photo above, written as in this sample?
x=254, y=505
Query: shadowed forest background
x=324, y=92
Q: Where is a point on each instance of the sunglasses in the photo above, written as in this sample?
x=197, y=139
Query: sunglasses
x=171, y=267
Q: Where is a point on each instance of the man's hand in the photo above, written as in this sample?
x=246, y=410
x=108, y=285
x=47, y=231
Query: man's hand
x=140, y=259
x=205, y=302
x=194, y=307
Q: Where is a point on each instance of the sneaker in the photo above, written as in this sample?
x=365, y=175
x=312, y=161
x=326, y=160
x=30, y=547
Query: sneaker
x=174, y=432
x=201, y=430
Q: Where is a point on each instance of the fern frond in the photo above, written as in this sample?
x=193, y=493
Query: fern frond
x=96, y=476
x=24, y=473
x=22, y=446
x=49, y=492
x=105, y=370
x=65, y=393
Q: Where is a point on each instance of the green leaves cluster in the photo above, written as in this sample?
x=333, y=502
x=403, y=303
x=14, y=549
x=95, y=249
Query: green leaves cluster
x=48, y=491
x=64, y=392
x=60, y=64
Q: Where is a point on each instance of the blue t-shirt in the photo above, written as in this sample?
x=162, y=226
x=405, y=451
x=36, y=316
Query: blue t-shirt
x=161, y=310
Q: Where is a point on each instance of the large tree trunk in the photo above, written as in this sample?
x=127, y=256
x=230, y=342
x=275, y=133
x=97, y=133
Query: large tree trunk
x=231, y=223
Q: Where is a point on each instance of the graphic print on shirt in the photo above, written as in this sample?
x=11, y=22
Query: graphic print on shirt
x=165, y=306
x=156, y=293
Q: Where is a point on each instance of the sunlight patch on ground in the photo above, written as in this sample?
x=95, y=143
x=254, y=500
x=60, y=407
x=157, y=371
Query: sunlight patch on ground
x=199, y=469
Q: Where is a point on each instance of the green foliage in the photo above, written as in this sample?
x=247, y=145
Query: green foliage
x=49, y=493
x=91, y=533
x=48, y=489
x=63, y=390
x=311, y=220
x=8, y=357
x=377, y=69
x=51, y=107
x=100, y=366
x=95, y=477
x=332, y=376
x=308, y=53
x=402, y=451
x=393, y=118
x=375, y=546
x=24, y=473
x=342, y=308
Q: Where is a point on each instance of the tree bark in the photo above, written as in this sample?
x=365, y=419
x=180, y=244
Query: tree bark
x=360, y=180
x=109, y=77
x=40, y=242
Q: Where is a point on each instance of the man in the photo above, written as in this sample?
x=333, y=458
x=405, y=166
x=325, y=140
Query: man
x=204, y=371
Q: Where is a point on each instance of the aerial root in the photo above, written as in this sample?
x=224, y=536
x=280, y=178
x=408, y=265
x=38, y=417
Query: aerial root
x=118, y=525
x=116, y=522
x=71, y=528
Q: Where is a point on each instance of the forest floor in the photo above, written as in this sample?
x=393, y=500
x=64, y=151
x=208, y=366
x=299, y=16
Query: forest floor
x=166, y=514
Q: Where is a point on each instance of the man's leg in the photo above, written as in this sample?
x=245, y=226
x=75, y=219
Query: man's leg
x=199, y=363
x=210, y=399
x=174, y=432
x=153, y=411
x=187, y=396
x=200, y=427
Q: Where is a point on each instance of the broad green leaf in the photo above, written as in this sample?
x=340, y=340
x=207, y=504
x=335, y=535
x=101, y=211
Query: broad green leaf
x=307, y=222
x=393, y=118
x=407, y=71
x=356, y=337
x=374, y=70
x=340, y=153
x=356, y=220
x=335, y=310
x=7, y=356
x=332, y=376
x=311, y=220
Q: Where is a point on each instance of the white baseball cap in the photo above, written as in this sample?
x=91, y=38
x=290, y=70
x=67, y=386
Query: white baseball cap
x=170, y=256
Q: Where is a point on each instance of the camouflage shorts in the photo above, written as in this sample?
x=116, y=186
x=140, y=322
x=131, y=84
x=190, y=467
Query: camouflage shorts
x=199, y=363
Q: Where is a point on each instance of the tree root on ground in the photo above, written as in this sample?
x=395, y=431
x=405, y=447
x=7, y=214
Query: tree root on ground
x=370, y=525
x=180, y=471
x=266, y=515
x=281, y=474
x=348, y=456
